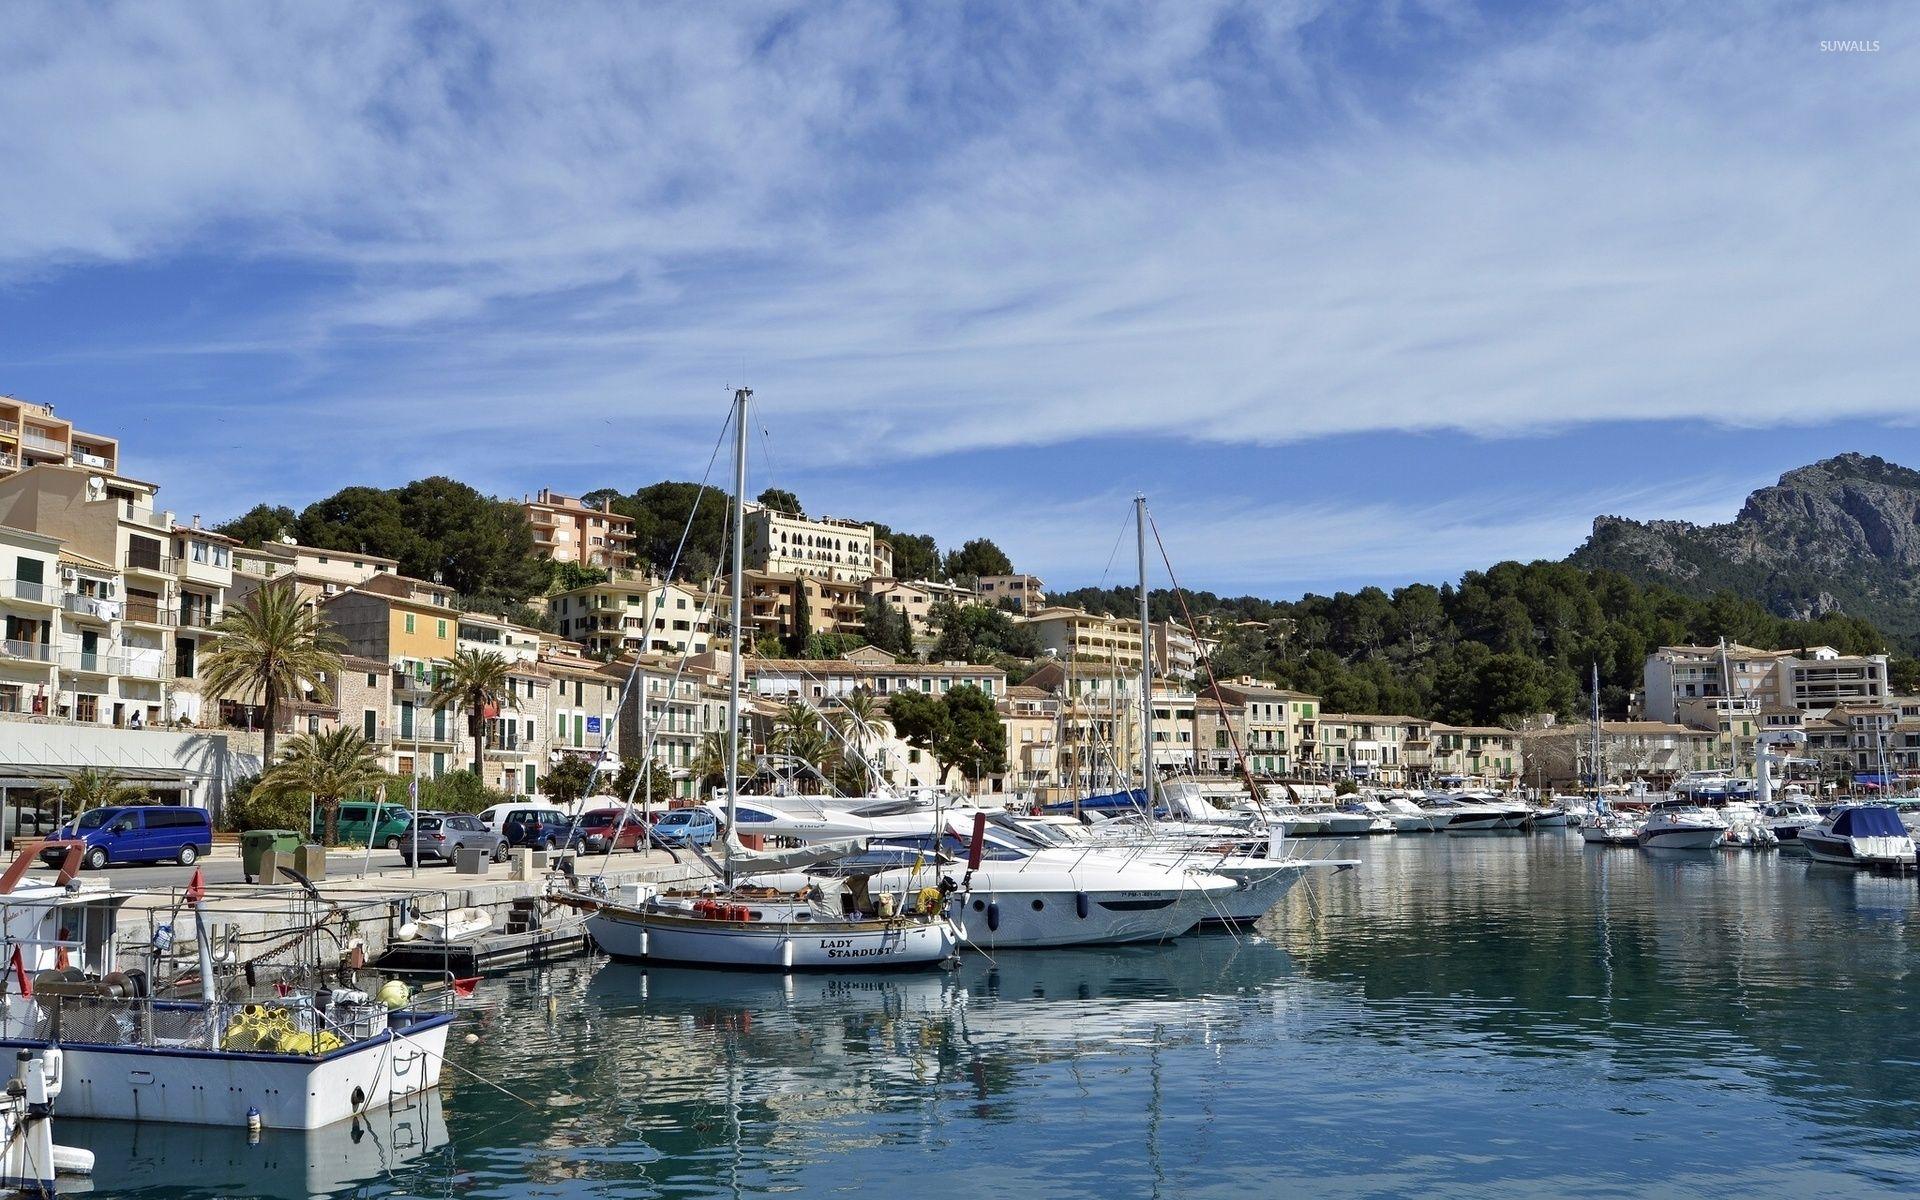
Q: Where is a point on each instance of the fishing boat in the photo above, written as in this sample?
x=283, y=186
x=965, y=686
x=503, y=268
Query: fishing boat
x=1860, y=835
x=207, y=1045
x=735, y=926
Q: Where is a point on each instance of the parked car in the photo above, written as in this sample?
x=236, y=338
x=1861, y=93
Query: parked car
x=130, y=834
x=540, y=828
x=687, y=827
x=496, y=817
x=442, y=835
x=388, y=823
x=604, y=825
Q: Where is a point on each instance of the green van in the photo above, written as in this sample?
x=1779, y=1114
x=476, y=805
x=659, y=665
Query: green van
x=355, y=817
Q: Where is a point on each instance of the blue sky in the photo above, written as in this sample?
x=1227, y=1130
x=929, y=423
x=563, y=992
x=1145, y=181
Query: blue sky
x=1356, y=292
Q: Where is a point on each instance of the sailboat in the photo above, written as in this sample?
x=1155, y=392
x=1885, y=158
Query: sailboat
x=741, y=927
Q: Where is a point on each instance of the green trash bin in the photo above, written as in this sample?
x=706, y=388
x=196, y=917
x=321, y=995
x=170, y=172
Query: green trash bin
x=255, y=843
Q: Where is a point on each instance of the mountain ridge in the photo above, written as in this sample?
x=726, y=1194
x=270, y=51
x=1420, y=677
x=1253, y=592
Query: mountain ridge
x=1837, y=536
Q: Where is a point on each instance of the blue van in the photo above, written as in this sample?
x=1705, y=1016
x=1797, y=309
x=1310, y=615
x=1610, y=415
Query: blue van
x=149, y=833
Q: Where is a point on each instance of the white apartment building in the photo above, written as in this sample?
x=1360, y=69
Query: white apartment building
x=632, y=614
x=826, y=547
x=1813, y=680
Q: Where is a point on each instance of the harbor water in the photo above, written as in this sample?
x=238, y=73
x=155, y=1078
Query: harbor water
x=1472, y=1016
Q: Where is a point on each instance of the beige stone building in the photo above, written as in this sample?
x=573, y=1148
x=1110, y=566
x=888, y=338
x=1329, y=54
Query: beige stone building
x=824, y=548
x=773, y=601
x=1379, y=748
x=1090, y=641
x=1279, y=730
x=30, y=435
x=1032, y=720
x=1560, y=757
x=1023, y=594
x=1482, y=754
x=568, y=530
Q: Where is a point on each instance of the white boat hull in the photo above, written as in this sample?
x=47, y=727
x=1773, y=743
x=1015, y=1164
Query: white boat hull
x=191, y=1086
x=901, y=944
x=1705, y=838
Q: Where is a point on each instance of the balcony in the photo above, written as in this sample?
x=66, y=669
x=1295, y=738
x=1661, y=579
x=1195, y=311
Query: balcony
x=145, y=666
x=35, y=652
x=10, y=428
x=94, y=608
x=151, y=564
x=147, y=614
x=34, y=440
x=199, y=617
x=146, y=517
x=86, y=459
x=92, y=663
x=10, y=462
x=30, y=591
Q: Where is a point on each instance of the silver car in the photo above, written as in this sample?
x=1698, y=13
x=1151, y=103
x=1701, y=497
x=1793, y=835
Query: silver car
x=442, y=835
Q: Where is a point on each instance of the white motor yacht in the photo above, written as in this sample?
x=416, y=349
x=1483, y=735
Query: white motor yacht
x=1457, y=816
x=1681, y=825
x=1408, y=817
x=1786, y=818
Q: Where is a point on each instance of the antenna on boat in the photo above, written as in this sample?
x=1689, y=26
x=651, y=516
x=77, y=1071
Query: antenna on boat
x=740, y=398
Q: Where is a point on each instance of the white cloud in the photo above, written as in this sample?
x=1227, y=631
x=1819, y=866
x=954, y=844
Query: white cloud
x=927, y=229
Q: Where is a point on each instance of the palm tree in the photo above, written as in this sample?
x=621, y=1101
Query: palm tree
x=328, y=767
x=861, y=724
x=709, y=763
x=798, y=733
x=474, y=680
x=92, y=787
x=271, y=647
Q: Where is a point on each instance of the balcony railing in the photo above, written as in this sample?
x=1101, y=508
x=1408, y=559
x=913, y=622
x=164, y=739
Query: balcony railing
x=150, y=666
x=148, y=614
x=10, y=462
x=96, y=607
x=147, y=517
x=139, y=560
x=87, y=459
x=30, y=590
x=29, y=651
x=42, y=443
x=199, y=618
x=90, y=663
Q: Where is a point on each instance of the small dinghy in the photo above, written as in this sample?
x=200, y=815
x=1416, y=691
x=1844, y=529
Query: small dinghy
x=455, y=926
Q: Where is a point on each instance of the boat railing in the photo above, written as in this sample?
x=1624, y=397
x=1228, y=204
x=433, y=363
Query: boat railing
x=273, y=1026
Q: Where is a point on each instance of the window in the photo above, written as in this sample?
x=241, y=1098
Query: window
x=441, y=632
x=409, y=622
x=373, y=680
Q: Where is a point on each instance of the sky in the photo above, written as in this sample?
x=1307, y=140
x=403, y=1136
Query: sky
x=1354, y=292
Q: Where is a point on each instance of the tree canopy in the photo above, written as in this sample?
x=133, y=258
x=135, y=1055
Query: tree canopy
x=978, y=557
x=960, y=729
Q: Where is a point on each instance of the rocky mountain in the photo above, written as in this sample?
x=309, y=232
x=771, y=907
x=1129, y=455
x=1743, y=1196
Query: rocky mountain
x=1842, y=535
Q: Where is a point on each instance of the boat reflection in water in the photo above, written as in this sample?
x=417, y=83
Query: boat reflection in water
x=206, y=1160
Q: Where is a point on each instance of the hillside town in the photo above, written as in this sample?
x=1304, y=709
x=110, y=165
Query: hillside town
x=113, y=601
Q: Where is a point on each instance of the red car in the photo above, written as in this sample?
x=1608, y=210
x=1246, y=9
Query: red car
x=597, y=829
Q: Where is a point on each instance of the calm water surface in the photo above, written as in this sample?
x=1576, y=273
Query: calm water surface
x=1468, y=1016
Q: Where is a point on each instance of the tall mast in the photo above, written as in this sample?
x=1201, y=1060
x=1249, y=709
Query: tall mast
x=740, y=396
x=1593, y=734
x=1146, y=657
